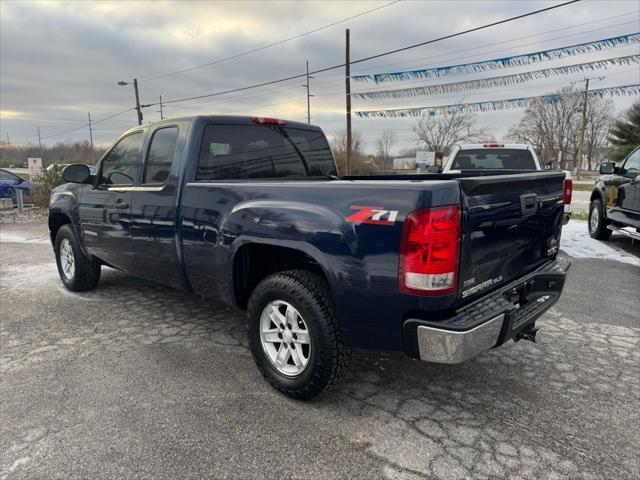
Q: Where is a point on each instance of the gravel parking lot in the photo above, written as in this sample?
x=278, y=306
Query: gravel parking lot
x=134, y=380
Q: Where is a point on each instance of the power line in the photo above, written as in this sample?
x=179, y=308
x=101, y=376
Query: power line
x=446, y=37
x=279, y=42
x=93, y=122
x=447, y=54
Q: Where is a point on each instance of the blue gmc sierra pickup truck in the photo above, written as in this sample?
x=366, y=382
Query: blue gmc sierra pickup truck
x=252, y=211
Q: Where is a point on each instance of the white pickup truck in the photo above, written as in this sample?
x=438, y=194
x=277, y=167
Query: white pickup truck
x=502, y=156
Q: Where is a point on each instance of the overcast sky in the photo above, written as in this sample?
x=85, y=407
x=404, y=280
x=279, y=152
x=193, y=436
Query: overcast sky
x=60, y=60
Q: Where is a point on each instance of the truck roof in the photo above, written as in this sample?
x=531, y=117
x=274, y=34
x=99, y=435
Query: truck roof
x=224, y=119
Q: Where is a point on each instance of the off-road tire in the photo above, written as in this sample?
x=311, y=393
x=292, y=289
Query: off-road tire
x=329, y=358
x=87, y=269
x=600, y=230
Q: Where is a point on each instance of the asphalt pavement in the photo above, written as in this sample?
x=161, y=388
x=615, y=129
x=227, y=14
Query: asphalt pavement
x=134, y=380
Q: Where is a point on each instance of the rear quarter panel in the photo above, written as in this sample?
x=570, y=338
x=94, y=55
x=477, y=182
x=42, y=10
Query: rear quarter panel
x=359, y=259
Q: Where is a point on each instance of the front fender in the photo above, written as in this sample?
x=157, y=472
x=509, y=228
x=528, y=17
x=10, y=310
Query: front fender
x=600, y=191
x=65, y=203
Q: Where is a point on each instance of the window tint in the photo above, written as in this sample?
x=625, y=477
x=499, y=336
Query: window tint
x=259, y=151
x=161, y=154
x=315, y=149
x=499, y=158
x=632, y=165
x=122, y=164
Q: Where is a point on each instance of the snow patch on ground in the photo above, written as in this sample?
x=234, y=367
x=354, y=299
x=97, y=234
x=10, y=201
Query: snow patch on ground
x=577, y=243
x=12, y=238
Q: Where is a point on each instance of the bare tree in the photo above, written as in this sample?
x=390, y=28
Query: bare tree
x=384, y=144
x=599, y=122
x=552, y=125
x=439, y=133
x=339, y=148
x=63, y=152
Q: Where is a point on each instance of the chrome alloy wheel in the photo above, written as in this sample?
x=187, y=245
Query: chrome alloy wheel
x=595, y=218
x=285, y=338
x=67, y=260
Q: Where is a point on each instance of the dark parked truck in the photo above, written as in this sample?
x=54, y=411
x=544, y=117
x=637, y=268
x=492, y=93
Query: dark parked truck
x=252, y=211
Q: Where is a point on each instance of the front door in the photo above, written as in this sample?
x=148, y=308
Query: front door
x=624, y=209
x=105, y=209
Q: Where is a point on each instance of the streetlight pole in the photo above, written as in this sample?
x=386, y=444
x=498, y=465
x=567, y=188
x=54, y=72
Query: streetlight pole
x=135, y=89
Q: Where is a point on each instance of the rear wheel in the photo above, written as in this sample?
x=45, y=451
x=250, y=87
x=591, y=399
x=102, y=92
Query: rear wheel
x=294, y=335
x=77, y=271
x=597, y=221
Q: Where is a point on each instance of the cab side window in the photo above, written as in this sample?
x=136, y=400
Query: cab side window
x=122, y=164
x=631, y=167
x=161, y=154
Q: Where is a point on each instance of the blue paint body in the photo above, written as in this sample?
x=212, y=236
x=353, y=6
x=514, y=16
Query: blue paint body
x=9, y=182
x=187, y=233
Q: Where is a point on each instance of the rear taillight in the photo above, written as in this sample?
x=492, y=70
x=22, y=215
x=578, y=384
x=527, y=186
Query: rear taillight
x=568, y=191
x=429, y=251
x=493, y=145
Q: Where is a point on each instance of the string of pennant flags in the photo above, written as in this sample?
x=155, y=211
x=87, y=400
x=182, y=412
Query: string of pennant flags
x=494, y=105
x=499, y=81
x=504, y=62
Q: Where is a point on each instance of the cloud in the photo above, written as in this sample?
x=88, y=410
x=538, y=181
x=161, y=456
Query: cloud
x=60, y=60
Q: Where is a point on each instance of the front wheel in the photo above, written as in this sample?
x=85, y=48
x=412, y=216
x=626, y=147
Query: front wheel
x=294, y=335
x=597, y=222
x=77, y=271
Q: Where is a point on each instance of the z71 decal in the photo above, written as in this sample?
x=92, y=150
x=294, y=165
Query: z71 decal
x=377, y=215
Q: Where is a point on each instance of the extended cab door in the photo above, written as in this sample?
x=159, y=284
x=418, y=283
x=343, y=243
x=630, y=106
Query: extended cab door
x=624, y=207
x=154, y=207
x=105, y=209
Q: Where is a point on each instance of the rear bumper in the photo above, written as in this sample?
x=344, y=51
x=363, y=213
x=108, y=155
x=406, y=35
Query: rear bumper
x=489, y=321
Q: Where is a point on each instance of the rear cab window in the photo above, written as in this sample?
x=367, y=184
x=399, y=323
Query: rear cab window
x=494, y=159
x=234, y=152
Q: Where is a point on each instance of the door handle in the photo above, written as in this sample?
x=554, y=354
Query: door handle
x=121, y=204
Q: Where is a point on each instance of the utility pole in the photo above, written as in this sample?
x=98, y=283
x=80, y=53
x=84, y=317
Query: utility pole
x=90, y=131
x=90, y=134
x=135, y=89
x=347, y=84
x=308, y=95
x=583, y=127
x=8, y=142
x=39, y=140
x=161, y=112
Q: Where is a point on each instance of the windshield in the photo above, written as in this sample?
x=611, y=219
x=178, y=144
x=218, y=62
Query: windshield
x=493, y=159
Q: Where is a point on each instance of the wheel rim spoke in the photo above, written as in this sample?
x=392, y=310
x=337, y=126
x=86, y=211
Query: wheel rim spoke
x=283, y=355
x=302, y=336
x=272, y=336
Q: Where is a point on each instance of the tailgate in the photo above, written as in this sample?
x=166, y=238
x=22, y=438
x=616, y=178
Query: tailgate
x=511, y=225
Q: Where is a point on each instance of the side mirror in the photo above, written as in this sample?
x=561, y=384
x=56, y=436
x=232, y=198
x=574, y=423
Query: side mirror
x=434, y=169
x=607, y=168
x=76, y=173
